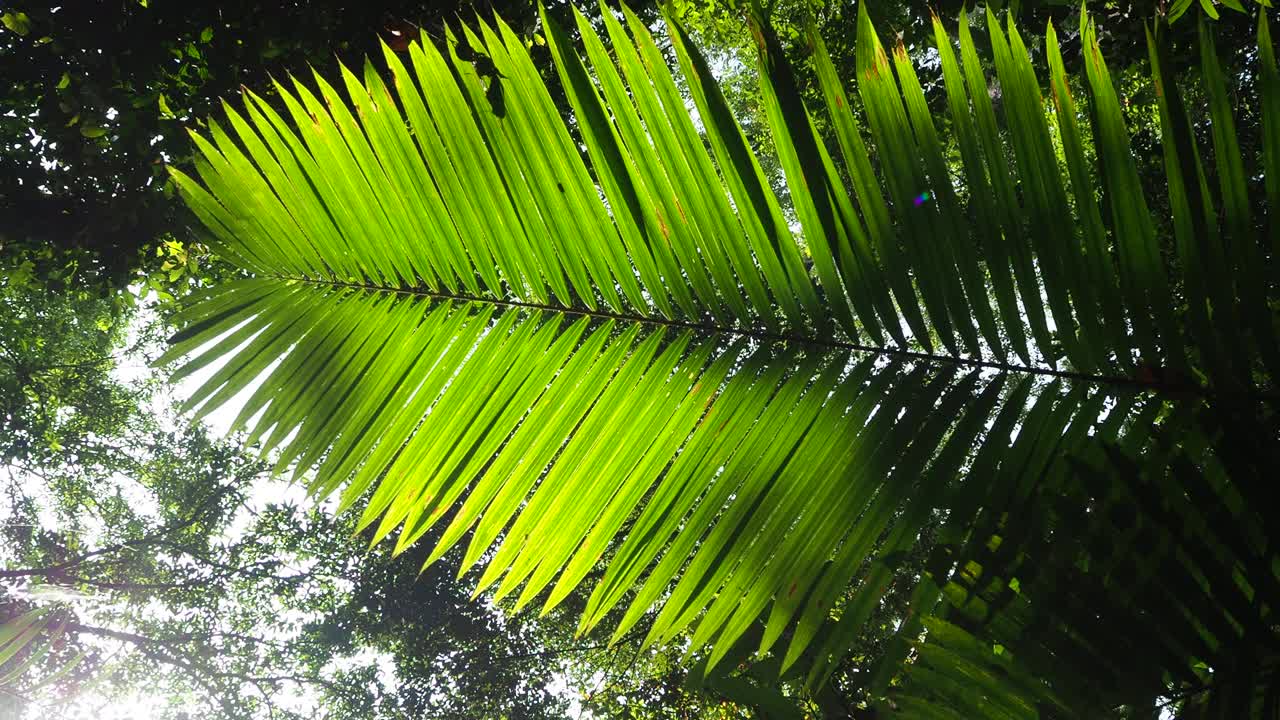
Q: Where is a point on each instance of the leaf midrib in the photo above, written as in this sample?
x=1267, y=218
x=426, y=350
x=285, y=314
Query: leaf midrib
x=767, y=336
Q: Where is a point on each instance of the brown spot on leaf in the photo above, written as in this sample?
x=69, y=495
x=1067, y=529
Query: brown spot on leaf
x=662, y=226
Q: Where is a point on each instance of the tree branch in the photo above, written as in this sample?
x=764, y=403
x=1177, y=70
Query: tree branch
x=154, y=537
x=164, y=651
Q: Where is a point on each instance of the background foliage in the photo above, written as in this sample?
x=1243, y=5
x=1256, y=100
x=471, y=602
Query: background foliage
x=72, y=248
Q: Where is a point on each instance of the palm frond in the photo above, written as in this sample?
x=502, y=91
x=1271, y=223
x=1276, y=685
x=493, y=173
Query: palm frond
x=26, y=641
x=610, y=349
x=721, y=482
x=1164, y=535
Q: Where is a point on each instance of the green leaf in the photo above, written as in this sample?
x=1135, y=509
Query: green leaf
x=1270, y=126
x=807, y=176
x=1178, y=8
x=1143, y=277
x=1239, y=235
x=869, y=195
x=17, y=634
x=1001, y=171
x=758, y=206
x=594, y=347
x=18, y=22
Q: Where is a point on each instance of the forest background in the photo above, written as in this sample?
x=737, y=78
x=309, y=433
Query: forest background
x=185, y=573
